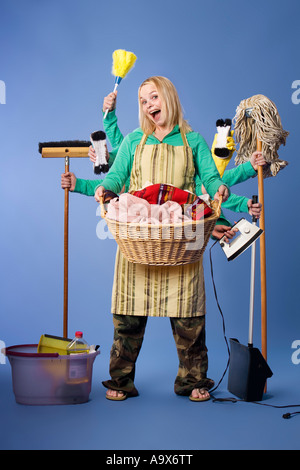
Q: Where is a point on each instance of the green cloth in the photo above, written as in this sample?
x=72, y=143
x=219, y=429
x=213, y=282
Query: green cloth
x=113, y=133
x=230, y=177
x=203, y=162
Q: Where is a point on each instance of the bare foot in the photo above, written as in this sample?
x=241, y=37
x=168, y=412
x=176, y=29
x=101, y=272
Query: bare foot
x=115, y=395
x=200, y=394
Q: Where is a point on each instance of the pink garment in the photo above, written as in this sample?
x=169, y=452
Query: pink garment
x=129, y=208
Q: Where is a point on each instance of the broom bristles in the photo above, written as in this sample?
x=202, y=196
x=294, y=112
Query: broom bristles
x=123, y=61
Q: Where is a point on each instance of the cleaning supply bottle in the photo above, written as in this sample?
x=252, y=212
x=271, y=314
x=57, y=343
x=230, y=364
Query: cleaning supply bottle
x=78, y=361
x=78, y=345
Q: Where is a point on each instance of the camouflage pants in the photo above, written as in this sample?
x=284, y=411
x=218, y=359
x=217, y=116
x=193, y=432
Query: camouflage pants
x=189, y=335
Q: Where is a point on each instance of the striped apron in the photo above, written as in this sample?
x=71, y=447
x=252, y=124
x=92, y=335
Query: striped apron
x=159, y=291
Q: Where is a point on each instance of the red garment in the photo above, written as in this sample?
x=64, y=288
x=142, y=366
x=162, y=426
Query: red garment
x=195, y=207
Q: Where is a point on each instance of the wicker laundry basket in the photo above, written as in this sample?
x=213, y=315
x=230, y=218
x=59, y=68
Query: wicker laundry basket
x=163, y=244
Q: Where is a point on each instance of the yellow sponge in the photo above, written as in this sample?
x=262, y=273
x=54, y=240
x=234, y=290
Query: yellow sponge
x=53, y=344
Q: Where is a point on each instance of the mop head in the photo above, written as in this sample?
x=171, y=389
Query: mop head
x=123, y=61
x=223, y=145
x=98, y=139
x=257, y=117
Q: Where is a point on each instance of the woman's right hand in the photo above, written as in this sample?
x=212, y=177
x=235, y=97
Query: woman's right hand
x=99, y=193
x=110, y=101
x=92, y=154
x=68, y=181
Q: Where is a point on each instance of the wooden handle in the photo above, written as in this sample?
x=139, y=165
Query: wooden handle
x=66, y=254
x=103, y=211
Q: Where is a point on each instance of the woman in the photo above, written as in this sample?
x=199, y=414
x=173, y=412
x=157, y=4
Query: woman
x=163, y=150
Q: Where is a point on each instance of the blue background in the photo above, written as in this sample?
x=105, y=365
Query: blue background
x=56, y=59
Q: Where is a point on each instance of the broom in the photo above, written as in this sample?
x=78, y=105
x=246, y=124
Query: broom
x=123, y=61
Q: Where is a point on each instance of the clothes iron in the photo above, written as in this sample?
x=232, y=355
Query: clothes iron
x=247, y=234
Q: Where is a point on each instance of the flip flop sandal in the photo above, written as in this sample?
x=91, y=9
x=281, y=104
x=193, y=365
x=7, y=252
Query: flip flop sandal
x=203, y=398
x=117, y=398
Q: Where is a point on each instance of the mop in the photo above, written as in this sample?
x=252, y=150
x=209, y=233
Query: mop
x=258, y=127
x=123, y=61
x=257, y=118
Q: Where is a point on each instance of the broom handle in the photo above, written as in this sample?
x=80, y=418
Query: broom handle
x=66, y=254
x=262, y=259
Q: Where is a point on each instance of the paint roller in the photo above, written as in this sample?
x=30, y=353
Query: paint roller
x=123, y=61
x=98, y=139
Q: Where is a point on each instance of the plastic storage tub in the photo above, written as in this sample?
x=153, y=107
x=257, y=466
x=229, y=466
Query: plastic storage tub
x=50, y=378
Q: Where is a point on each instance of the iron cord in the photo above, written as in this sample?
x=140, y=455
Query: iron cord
x=233, y=399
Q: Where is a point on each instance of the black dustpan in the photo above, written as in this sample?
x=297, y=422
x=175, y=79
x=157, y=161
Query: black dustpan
x=248, y=370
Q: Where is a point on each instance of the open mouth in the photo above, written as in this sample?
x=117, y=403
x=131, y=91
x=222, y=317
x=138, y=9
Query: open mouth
x=155, y=115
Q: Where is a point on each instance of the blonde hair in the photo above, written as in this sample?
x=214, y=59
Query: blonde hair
x=257, y=117
x=170, y=102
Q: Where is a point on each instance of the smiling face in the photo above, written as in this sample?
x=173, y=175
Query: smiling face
x=152, y=105
x=159, y=106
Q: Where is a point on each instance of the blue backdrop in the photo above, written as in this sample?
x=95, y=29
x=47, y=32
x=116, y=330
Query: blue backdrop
x=56, y=60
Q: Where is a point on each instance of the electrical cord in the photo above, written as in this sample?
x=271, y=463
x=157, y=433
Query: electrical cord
x=222, y=316
x=232, y=399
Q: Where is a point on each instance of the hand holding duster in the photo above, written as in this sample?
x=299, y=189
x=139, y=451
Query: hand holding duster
x=123, y=61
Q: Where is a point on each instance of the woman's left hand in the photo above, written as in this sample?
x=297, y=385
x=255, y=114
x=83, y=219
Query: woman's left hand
x=222, y=191
x=220, y=231
x=254, y=208
x=257, y=160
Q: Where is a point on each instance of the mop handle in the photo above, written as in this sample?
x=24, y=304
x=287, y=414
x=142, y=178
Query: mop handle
x=252, y=283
